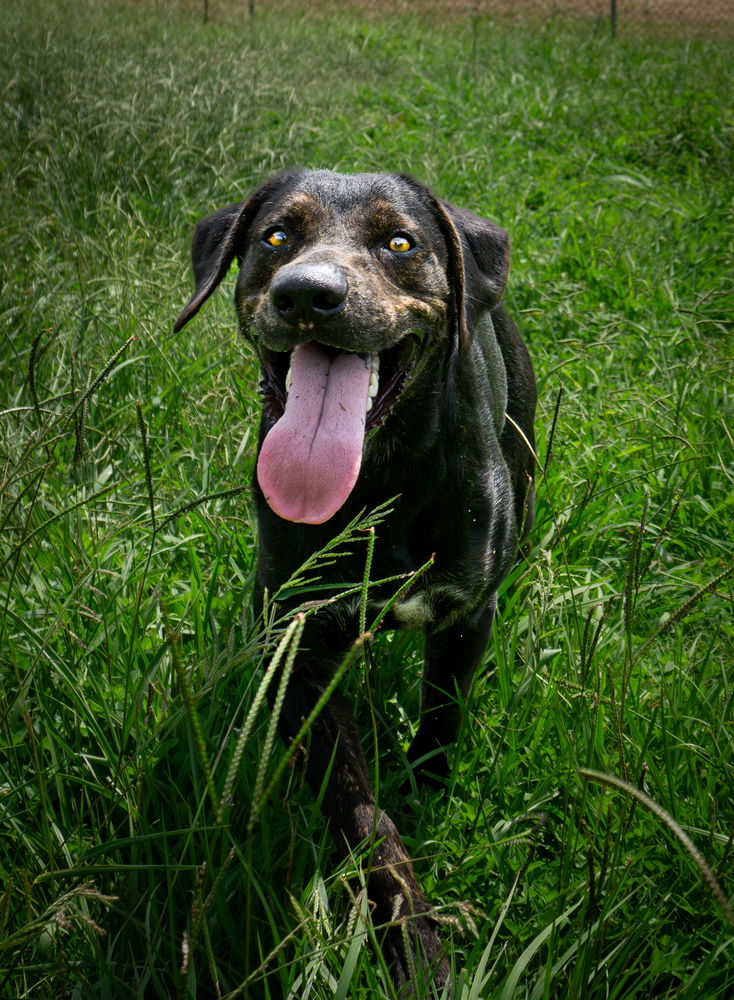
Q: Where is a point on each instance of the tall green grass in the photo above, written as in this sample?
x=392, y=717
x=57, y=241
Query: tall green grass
x=140, y=855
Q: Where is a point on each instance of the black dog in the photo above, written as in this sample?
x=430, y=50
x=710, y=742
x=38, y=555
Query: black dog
x=388, y=369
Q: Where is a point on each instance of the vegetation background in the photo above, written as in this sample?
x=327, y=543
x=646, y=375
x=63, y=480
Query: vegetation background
x=153, y=841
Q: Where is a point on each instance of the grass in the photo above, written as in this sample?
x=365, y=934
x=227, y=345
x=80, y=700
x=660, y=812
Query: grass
x=145, y=849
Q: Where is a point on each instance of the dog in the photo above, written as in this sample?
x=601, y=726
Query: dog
x=389, y=370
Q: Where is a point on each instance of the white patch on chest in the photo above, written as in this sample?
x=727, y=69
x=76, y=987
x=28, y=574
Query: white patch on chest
x=414, y=612
x=435, y=605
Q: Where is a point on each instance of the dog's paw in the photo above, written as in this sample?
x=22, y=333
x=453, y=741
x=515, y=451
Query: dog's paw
x=416, y=958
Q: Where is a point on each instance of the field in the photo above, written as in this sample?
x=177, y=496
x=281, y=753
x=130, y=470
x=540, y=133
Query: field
x=155, y=841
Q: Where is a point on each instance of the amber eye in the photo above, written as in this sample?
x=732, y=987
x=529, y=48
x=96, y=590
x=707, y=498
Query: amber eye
x=400, y=244
x=276, y=237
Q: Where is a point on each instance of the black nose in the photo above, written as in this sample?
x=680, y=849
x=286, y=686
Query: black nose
x=307, y=292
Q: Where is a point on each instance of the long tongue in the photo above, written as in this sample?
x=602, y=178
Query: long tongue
x=309, y=461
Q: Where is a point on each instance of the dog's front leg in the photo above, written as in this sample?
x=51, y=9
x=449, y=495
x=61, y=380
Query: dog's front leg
x=451, y=659
x=335, y=763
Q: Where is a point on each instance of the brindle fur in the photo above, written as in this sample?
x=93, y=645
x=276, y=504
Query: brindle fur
x=456, y=446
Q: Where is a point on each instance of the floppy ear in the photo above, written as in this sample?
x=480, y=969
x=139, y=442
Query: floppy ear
x=479, y=259
x=218, y=239
x=480, y=255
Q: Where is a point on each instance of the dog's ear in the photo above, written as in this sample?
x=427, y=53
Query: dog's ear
x=479, y=259
x=479, y=254
x=218, y=239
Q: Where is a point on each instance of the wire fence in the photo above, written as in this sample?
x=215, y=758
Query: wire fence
x=710, y=17
x=703, y=18
x=692, y=18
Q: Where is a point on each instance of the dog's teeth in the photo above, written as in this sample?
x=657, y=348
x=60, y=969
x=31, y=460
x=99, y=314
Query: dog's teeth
x=374, y=385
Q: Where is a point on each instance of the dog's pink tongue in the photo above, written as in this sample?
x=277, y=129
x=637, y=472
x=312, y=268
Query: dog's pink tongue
x=309, y=461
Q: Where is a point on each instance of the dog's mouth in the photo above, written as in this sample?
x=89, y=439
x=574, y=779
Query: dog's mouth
x=392, y=370
x=323, y=402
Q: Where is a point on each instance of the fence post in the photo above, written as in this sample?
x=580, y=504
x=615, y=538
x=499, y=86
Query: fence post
x=613, y=17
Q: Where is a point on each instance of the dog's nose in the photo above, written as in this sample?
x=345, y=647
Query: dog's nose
x=307, y=292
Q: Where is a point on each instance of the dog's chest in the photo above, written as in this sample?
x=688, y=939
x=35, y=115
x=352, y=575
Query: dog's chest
x=415, y=611
x=433, y=606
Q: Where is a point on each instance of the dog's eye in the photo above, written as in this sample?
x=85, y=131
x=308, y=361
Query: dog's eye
x=276, y=237
x=400, y=243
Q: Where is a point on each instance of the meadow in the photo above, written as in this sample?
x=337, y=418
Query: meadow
x=156, y=841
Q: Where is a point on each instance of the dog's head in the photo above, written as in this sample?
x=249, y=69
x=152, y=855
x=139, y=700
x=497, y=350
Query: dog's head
x=348, y=286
